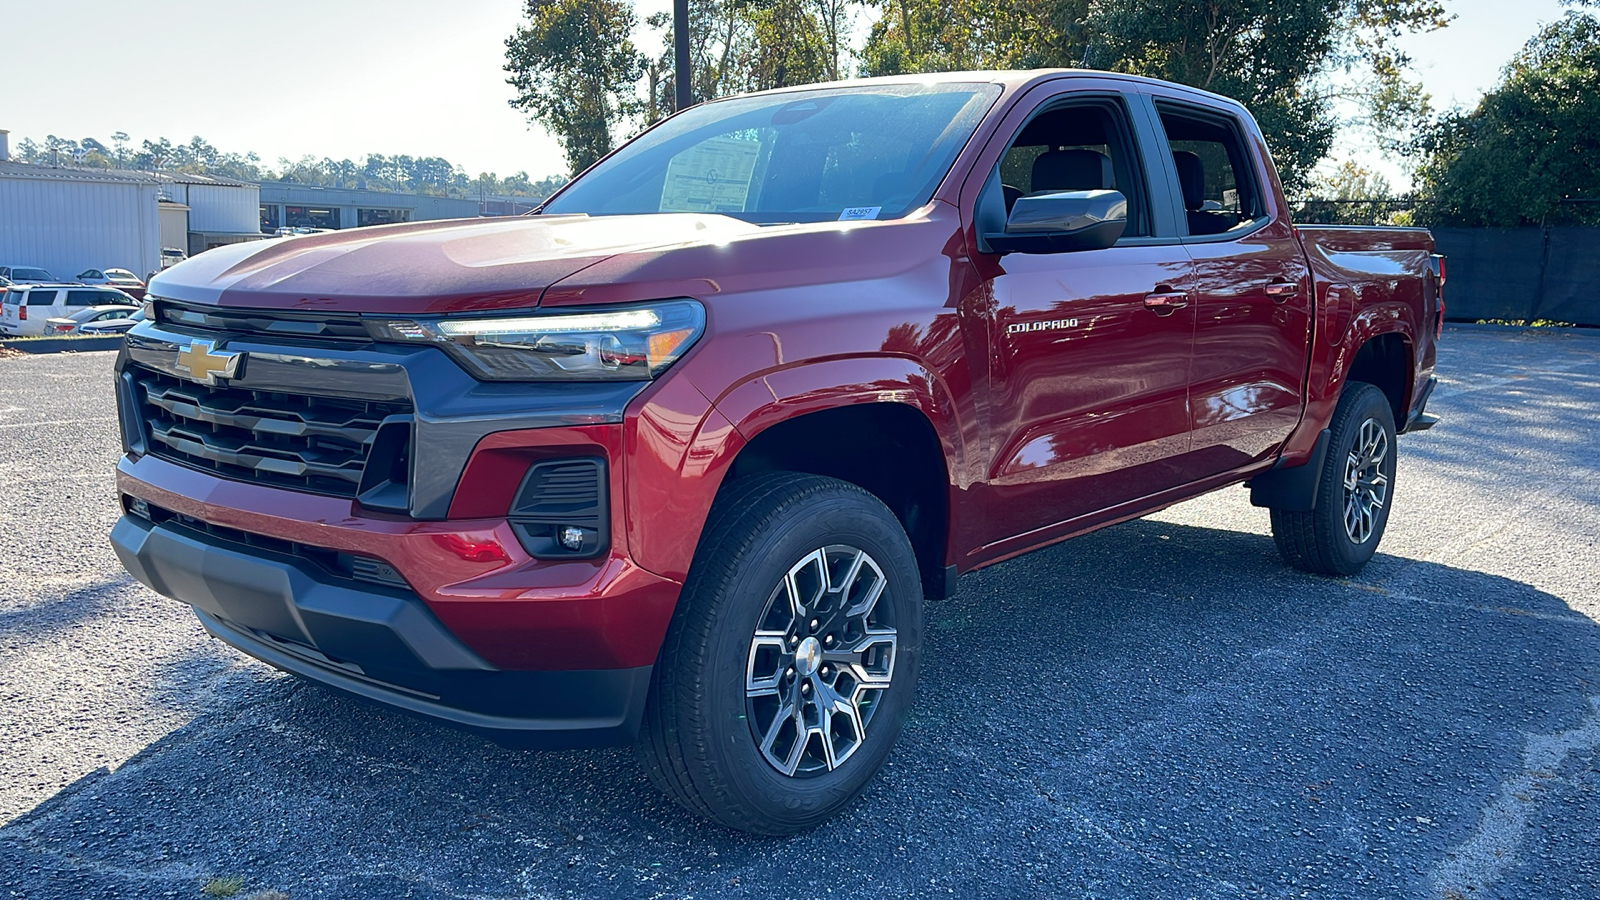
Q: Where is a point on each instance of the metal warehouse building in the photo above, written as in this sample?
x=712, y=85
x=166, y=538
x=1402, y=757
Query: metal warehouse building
x=286, y=204
x=219, y=210
x=69, y=220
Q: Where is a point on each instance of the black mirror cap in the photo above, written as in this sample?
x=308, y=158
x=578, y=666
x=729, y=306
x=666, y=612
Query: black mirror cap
x=1062, y=222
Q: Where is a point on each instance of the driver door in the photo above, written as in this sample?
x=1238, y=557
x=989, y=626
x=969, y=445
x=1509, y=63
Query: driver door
x=1089, y=351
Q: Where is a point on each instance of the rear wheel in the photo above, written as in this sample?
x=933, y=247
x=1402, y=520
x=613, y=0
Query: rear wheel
x=1354, y=493
x=792, y=659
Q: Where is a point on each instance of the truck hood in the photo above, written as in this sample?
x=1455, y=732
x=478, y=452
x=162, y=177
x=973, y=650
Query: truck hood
x=429, y=267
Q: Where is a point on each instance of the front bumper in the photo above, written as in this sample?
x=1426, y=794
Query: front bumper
x=379, y=643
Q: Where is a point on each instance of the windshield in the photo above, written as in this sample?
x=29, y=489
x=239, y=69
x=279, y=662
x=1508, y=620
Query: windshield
x=22, y=273
x=838, y=153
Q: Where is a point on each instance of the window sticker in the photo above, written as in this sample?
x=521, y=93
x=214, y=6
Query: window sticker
x=712, y=176
x=857, y=213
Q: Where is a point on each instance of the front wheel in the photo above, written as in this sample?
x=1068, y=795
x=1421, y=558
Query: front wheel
x=791, y=662
x=1355, y=492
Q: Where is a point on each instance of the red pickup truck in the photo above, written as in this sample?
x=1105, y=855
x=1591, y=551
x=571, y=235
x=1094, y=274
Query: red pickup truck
x=676, y=460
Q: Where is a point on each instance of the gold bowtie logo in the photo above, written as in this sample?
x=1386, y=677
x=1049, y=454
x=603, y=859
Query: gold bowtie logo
x=206, y=364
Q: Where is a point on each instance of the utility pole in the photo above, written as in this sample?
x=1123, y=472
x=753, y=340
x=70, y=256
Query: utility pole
x=680, y=53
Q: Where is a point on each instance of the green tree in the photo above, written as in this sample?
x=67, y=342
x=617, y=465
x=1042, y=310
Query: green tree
x=575, y=68
x=1529, y=143
x=1275, y=56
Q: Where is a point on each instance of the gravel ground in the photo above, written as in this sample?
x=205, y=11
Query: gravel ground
x=1160, y=709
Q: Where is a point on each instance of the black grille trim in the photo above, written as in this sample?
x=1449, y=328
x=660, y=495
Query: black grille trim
x=299, y=441
x=334, y=562
x=322, y=324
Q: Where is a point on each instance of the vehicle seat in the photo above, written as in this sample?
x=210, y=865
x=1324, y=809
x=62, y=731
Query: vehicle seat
x=1072, y=170
x=1192, y=178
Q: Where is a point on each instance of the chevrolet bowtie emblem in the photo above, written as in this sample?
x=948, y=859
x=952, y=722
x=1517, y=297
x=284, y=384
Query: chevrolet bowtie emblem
x=206, y=364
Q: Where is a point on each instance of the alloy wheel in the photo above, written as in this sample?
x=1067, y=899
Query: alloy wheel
x=822, y=655
x=1366, y=486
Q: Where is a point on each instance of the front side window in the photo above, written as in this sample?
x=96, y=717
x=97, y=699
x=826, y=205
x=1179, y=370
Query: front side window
x=1078, y=147
x=809, y=156
x=1219, y=191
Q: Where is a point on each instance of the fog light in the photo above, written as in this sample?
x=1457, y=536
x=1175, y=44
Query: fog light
x=570, y=537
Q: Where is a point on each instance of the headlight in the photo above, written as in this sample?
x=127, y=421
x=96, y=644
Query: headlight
x=632, y=344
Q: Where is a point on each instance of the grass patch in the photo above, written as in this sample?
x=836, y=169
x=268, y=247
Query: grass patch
x=224, y=886
x=1524, y=323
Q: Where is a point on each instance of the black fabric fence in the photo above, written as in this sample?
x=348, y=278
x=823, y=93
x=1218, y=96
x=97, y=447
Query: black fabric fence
x=1522, y=274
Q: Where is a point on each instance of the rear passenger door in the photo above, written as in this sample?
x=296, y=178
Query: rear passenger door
x=1089, y=351
x=1252, y=290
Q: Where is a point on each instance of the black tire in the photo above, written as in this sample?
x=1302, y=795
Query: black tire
x=698, y=741
x=1321, y=540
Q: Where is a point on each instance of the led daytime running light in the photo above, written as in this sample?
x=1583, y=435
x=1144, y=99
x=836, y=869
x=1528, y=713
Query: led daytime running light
x=629, y=320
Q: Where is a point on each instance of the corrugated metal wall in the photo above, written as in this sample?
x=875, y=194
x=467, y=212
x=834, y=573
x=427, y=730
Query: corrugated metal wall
x=224, y=209
x=69, y=226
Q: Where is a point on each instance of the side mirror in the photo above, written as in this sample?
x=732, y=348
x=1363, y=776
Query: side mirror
x=1062, y=222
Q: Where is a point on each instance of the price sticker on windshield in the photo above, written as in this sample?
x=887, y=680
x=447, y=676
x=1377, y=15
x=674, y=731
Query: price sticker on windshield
x=858, y=213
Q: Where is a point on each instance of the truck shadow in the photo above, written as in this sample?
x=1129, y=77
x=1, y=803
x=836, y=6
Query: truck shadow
x=1150, y=707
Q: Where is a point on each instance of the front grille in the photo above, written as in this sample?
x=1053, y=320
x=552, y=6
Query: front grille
x=334, y=562
x=309, y=443
x=322, y=324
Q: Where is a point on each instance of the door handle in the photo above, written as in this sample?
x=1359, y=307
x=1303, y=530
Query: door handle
x=1280, y=291
x=1166, y=303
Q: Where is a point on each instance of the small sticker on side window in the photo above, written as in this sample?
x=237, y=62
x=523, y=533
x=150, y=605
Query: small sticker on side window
x=857, y=213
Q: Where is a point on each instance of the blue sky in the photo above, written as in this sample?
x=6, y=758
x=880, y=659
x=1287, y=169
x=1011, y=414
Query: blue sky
x=342, y=78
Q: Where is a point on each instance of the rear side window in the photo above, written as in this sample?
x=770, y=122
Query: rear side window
x=1219, y=188
x=86, y=298
x=42, y=298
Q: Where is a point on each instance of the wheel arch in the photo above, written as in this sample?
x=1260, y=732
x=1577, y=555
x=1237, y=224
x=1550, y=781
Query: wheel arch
x=904, y=440
x=1384, y=359
x=893, y=452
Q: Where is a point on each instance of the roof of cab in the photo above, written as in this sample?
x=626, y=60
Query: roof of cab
x=1012, y=80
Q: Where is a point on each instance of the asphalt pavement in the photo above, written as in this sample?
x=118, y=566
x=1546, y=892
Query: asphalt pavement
x=1160, y=709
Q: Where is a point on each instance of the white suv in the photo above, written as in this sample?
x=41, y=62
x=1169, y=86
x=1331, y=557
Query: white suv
x=25, y=307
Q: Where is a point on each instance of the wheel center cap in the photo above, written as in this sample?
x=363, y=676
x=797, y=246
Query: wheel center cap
x=807, y=656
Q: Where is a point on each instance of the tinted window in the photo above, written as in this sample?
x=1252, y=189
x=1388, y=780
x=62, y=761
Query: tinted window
x=1080, y=147
x=25, y=274
x=808, y=156
x=42, y=298
x=1219, y=189
x=87, y=298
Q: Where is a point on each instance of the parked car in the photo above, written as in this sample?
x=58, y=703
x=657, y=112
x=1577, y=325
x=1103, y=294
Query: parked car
x=121, y=279
x=676, y=461
x=171, y=256
x=25, y=309
x=27, y=275
x=73, y=322
x=112, y=326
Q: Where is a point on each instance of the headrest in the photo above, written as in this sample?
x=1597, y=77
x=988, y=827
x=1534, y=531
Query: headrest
x=1192, y=177
x=1072, y=170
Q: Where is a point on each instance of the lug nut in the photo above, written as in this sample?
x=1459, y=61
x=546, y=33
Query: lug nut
x=805, y=688
x=828, y=640
x=814, y=624
x=789, y=672
x=824, y=672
